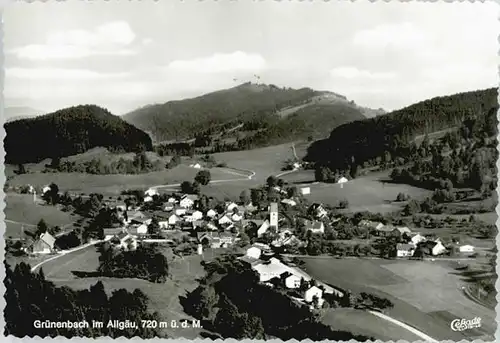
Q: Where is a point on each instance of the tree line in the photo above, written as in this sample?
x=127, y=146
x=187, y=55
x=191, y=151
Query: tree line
x=30, y=297
x=389, y=137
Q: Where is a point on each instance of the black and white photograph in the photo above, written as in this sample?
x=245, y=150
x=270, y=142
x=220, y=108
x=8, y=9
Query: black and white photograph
x=322, y=170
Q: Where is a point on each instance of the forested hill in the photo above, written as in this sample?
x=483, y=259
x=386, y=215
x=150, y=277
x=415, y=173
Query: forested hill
x=259, y=105
x=361, y=142
x=70, y=131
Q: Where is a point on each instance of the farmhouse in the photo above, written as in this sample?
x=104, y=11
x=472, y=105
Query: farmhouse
x=317, y=210
x=151, y=192
x=173, y=219
x=403, y=230
x=305, y=191
x=196, y=166
x=211, y=213
x=254, y=252
x=172, y=200
x=44, y=244
x=231, y=206
x=169, y=207
x=224, y=220
x=216, y=240
x=236, y=217
x=271, y=269
x=180, y=211
x=292, y=281
x=438, y=248
x=187, y=200
x=148, y=199
x=417, y=238
x=124, y=240
x=163, y=225
x=314, y=226
x=404, y=250
x=313, y=292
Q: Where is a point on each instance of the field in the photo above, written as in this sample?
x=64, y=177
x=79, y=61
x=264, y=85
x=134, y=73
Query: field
x=264, y=161
x=164, y=298
x=426, y=295
x=21, y=210
x=365, y=193
x=364, y=323
x=114, y=184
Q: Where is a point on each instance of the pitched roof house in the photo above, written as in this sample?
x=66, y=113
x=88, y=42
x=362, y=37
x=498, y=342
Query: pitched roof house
x=314, y=226
x=187, y=200
x=45, y=244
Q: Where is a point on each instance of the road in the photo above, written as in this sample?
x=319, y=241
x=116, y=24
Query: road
x=65, y=252
x=244, y=178
x=419, y=333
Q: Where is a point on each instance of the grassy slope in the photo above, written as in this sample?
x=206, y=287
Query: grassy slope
x=425, y=294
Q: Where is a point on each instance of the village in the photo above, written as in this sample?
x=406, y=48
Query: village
x=266, y=237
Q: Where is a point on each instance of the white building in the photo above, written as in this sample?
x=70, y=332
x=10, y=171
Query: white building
x=254, y=252
x=417, y=238
x=225, y=220
x=197, y=215
x=293, y=281
x=273, y=215
x=267, y=271
x=230, y=206
x=187, y=201
x=45, y=189
x=163, y=225
x=173, y=219
x=305, y=190
x=180, y=211
x=196, y=166
x=151, y=192
x=312, y=292
x=211, y=213
x=289, y=202
x=466, y=248
x=236, y=217
x=148, y=199
x=172, y=200
x=438, y=249
x=263, y=228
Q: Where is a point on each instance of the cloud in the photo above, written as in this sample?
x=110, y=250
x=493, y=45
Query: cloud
x=398, y=35
x=355, y=73
x=219, y=63
x=108, y=39
x=58, y=74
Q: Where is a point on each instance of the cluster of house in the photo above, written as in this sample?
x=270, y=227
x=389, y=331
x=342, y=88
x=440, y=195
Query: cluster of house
x=259, y=257
x=413, y=240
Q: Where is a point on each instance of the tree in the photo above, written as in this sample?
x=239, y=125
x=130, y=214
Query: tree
x=203, y=177
x=186, y=187
x=154, y=227
x=272, y=181
x=41, y=227
x=245, y=197
x=21, y=169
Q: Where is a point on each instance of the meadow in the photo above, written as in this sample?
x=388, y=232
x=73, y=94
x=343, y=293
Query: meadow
x=365, y=193
x=20, y=211
x=115, y=183
x=426, y=295
x=263, y=161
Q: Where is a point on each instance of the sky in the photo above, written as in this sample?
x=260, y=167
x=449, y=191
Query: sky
x=124, y=55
